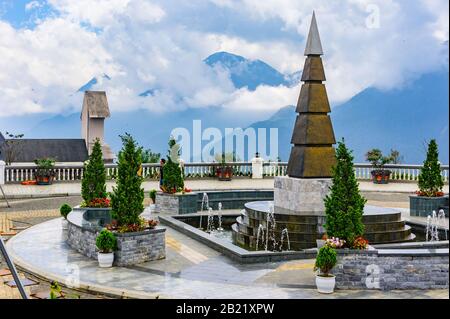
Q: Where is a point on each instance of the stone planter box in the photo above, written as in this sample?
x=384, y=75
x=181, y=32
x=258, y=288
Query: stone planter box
x=133, y=248
x=388, y=269
x=176, y=204
x=424, y=206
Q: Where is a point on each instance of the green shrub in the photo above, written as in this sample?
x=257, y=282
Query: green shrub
x=325, y=261
x=376, y=158
x=93, y=184
x=65, y=210
x=344, y=206
x=128, y=196
x=173, y=180
x=44, y=167
x=430, y=178
x=153, y=195
x=150, y=157
x=106, y=242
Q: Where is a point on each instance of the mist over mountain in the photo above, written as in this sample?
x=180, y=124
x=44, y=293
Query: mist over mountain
x=250, y=73
x=403, y=118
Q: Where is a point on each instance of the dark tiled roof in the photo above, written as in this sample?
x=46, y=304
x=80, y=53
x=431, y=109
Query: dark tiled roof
x=61, y=150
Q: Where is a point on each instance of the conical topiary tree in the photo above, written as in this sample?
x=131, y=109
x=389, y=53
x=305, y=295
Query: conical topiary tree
x=430, y=178
x=128, y=196
x=344, y=206
x=93, y=184
x=173, y=179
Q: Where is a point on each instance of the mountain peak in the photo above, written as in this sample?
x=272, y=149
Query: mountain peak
x=92, y=82
x=224, y=58
x=250, y=73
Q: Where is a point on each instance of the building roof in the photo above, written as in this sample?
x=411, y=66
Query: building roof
x=61, y=150
x=96, y=104
x=313, y=44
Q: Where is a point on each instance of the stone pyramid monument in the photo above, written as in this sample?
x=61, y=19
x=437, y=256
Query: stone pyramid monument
x=312, y=155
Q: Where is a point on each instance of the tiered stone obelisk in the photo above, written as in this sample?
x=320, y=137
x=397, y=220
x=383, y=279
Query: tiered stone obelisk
x=312, y=155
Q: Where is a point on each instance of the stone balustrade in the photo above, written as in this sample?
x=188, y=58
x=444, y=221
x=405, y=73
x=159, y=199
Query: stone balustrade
x=74, y=172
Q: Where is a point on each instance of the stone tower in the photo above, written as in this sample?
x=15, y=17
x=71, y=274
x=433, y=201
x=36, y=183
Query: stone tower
x=309, y=170
x=95, y=111
x=312, y=155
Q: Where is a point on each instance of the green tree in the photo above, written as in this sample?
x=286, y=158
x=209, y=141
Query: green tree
x=11, y=147
x=149, y=157
x=172, y=176
x=430, y=178
x=128, y=196
x=93, y=184
x=344, y=206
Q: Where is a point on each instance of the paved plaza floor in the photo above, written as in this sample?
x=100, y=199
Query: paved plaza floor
x=190, y=270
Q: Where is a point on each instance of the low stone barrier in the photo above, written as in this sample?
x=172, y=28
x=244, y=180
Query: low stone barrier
x=176, y=204
x=132, y=248
x=388, y=269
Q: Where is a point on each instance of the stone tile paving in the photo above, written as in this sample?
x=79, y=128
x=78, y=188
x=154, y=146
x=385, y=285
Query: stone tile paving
x=191, y=270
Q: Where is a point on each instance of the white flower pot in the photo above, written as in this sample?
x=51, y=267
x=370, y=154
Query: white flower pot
x=325, y=285
x=105, y=260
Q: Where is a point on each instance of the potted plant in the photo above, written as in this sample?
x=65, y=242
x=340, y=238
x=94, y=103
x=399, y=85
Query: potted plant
x=44, y=173
x=224, y=172
x=106, y=243
x=430, y=196
x=325, y=261
x=380, y=175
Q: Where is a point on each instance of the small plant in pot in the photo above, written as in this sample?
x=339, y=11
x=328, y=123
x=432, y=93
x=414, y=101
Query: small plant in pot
x=224, y=172
x=106, y=243
x=380, y=175
x=325, y=261
x=44, y=173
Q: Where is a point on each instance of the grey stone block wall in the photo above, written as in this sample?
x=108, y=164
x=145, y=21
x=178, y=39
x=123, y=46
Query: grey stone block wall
x=373, y=271
x=176, y=204
x=299, y=196
x=424, y=206
x=133, y=248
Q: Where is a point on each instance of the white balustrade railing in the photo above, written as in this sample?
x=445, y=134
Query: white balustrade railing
x=74, y=172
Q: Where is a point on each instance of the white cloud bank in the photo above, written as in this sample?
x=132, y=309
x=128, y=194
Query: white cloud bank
x=145, y=45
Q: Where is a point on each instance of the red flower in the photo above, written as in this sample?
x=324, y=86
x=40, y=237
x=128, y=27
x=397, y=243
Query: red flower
x=360, y=243
x=99, y=203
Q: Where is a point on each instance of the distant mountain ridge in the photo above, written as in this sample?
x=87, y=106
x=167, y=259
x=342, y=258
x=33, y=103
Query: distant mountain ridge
x=250, y=73
x=402, y=118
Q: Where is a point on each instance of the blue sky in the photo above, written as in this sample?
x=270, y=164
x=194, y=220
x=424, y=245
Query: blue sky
x=49, y=48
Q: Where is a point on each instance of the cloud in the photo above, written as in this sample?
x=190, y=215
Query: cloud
x=160, y=45
x=33, y=5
